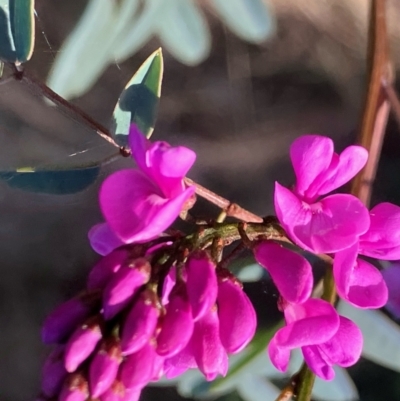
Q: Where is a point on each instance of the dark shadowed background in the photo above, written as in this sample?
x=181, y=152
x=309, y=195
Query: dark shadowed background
x=239, y=110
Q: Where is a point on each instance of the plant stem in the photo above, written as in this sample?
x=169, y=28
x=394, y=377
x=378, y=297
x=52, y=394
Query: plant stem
x=231, y=209
x=376, y=108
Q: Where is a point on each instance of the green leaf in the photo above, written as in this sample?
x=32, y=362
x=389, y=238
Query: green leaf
x=184, y=32
x=90, y=47
x=138, y=102
x=23, y=28
x=56, y=182
x=249, y=19
x=85, y=53
x=17, y=30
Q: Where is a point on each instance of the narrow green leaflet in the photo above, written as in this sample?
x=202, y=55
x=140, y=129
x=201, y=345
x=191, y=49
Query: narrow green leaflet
x=249, y=19
x=56, y=182
x=138, y=102
x=183, y=31
x=17, y=30
x=23, y=28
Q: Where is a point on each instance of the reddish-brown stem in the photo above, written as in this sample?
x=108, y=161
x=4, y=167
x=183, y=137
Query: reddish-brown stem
x=376, y=109
x=231, y=209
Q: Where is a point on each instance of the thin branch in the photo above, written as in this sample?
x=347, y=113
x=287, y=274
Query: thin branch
x=393, y=99
x=286, y=394
x=231, y=209
x=31, y=81
x=376, y=108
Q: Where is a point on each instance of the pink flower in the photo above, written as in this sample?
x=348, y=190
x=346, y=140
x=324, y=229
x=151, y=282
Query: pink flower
x=332, y=223
x=291, y=272
x=325, y=338
x=139, y=205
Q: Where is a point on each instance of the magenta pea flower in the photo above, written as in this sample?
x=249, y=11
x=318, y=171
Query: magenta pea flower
x=325, y=338
x=140, y=204
x=291, y=272
x=322, y=225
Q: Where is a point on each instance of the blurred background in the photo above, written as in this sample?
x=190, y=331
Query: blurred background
x=237, y=94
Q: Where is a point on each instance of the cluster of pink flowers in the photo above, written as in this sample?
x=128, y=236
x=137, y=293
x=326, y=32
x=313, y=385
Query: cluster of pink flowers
x=337, y=224
x=138, y=320
x=147, y=312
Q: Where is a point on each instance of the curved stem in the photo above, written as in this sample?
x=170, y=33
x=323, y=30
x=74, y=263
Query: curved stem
x=376, y=108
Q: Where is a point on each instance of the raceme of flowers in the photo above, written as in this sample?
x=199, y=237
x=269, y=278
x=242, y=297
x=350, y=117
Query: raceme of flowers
x=338, y=224
x=155, y=307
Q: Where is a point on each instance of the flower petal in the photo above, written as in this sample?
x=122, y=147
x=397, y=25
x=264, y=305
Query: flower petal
x=135, y=208
x=343, y=265
x=312, y=322
x=201, y=283
x=382, y=240
x=317, y=363
x=344, y=348
x=237, y=317
x=311, y=155
x=208, y=351
x=327, y=226
x=351, y=161
x=279, y=356
x=103, y=240
x=291, y=272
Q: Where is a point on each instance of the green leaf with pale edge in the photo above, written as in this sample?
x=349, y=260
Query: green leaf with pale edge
x=139, y=100
x=56, y=182
x=17, y=30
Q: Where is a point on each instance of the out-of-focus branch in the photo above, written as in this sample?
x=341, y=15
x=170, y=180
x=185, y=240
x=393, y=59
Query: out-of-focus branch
x=376, y=108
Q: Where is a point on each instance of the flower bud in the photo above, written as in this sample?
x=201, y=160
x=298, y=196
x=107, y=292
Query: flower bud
x=123, y=286
x=210, y=355
x=53, y=372
x=177, y=324
x=64, y=319
x=82, y=343
x=75, y=388
x=140, y=323
x=104, y=269
x=201, y=283
x=104, y=367
x=137, y=369
x=237, y=318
